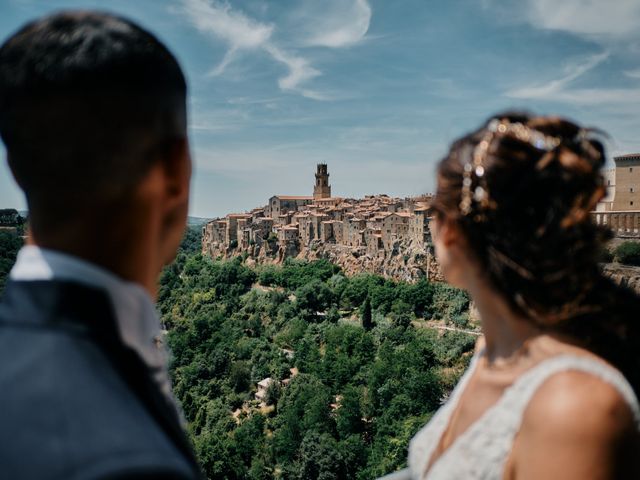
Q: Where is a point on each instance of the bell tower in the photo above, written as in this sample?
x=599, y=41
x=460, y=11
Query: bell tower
x=322, y=189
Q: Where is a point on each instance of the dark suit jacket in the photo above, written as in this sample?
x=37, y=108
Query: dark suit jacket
x=75, y=402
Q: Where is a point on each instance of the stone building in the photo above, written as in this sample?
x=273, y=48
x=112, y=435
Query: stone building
x=322, y=189
x=623, y=185
x=375, y=225
x=419, y=225
x=232, y=226
x=627, y=182
x=395, y=227
x=288, y=235
x=262, y=228
x=619, y=210
x=280, y=204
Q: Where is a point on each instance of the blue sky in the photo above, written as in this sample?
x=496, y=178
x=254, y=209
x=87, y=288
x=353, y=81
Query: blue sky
x=375, y=88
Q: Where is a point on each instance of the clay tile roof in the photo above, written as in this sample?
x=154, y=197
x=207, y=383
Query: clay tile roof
x=238, y=215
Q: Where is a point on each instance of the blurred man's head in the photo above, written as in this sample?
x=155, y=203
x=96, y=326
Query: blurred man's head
x=93, y=116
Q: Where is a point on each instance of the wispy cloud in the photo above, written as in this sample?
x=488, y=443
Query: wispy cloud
x=346, y=25
x=243, y=33
x=601, y=20
x=339, y=27
x=557, y=89
x=633, y=73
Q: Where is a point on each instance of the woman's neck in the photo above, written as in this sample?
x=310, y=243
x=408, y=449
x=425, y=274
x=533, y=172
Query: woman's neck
x=505, y=331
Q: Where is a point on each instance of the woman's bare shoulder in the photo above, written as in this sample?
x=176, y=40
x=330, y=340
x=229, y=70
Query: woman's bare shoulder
x=575, y=401
x=577, y=424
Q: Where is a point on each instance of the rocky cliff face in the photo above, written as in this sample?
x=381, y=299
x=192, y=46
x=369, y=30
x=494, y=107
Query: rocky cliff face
x=405, y=261
x=623, y=275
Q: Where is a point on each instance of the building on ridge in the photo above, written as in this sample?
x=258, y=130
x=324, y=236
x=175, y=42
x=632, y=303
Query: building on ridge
x=622, y=184
x=322, y=189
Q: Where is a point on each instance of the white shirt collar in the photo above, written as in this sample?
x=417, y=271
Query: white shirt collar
x=136, y=317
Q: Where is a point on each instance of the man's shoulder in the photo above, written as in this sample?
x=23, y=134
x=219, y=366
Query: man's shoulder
x=65, y=406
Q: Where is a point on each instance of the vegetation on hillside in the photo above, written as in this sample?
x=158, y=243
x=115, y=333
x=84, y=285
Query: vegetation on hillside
x=342, y=401
x=628, y=253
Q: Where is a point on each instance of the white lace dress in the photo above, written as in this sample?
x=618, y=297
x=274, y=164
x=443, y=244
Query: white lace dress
x=482, y=450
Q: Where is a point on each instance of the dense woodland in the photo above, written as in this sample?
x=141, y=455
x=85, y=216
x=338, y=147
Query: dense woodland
x=366, y=374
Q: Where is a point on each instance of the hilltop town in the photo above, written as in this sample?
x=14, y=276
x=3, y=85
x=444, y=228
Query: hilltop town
x=378, y=234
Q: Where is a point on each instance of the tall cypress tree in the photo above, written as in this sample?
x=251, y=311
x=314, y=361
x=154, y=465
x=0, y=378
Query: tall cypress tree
x=367, y=321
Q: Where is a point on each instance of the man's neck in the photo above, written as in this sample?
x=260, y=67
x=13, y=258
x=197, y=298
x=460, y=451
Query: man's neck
x=127, y=254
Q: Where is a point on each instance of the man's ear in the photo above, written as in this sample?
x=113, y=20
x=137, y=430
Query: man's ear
x=176, y=165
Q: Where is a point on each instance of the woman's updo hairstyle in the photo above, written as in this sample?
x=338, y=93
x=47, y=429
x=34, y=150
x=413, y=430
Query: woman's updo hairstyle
x=522, y=188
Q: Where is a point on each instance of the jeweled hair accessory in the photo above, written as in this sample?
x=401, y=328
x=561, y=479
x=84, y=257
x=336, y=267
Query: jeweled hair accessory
x=476, y=167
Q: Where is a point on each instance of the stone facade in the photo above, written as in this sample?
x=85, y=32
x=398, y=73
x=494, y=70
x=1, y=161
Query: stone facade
x=627, y=186
x=623, y=185
x=322, y=189
x=619, y=210
x=373, y=231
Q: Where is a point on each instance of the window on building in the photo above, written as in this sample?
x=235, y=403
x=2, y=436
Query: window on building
x=630, y=169
x=608, y=182
x=631, y=203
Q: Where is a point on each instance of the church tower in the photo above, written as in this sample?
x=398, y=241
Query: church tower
x=322, y=188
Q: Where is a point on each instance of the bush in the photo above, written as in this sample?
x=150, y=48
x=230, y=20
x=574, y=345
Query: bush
x=449, y=302
x=269, y=276
x=628, y=253
x=605, y=255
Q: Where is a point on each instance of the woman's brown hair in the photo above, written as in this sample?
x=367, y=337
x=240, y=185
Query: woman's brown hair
x=521, y=189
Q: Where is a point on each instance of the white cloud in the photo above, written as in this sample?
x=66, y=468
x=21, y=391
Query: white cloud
x=339, y=24
x=633, y=73
x=560, y=90
x=231, y=26
x=244, y=33
x=598, y=19
x=299, y=69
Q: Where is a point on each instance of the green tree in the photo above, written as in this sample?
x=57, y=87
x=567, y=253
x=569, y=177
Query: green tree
x=10, y=243
x=320, y=458
x=365, y=315
x=240, y=376
x=628, y=253
x=314, y=296
x=349, y=414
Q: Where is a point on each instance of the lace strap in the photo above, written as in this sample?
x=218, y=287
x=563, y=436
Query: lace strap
x=520, y=394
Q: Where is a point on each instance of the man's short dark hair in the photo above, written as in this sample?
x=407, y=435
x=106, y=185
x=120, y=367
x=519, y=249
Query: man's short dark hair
x=86, y=101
